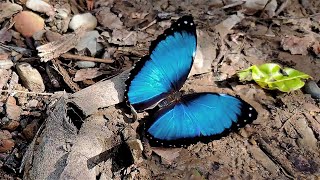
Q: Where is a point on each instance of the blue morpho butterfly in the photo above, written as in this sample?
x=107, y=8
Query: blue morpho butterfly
x=180, y=120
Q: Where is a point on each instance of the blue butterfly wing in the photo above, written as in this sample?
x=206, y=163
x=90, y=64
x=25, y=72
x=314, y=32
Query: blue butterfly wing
x=199, y=117
x=166, y=68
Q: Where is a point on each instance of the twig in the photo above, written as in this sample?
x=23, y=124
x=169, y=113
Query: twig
x=281, y=18
x=67, y=79
x=127, y=36
x=26, y=92
x=289, y=119
x=281, y=8
x=276, y=157
x=264, y=8
x=150, y=24
x=86, y=58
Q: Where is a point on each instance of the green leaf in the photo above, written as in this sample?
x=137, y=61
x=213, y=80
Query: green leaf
x=272, y=76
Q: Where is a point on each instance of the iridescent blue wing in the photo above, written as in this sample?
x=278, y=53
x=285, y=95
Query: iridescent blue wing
x=166, y=68
x=198, y=117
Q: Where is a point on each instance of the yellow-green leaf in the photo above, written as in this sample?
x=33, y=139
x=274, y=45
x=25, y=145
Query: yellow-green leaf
x=272, y=76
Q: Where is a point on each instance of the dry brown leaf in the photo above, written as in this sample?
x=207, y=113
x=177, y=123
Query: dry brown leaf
x=5, y=35
x=8, y=9
x=84, y=74
x=225, y=26
x=297, y=45
x=167, y=155
x=108, y=19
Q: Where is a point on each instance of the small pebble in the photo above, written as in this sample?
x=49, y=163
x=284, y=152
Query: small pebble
x=4, y=121
x=6, y=64
x=86, y=20
x=30, y=131
x=33, y=103
x=6, y=145
x=63, y=13
x=52, y=36
x=40, y=6
x=312, y=88
x=30, y=77
x=12, y=125
x=5, y=134
x=13, y=111
x=85, y=64
x=28, y=23
x=38, y=36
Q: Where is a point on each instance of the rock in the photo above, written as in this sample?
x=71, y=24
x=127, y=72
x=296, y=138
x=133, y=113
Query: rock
x=86, y=20
x=5, y=134
x=312, y=88
x=6, y=64
x=40, y=6
x=89, y=41
x=28, y=23
x=63, y=13
x=30, y=130
x=85, y=64
x=38, y=36
x=5, y=75
x=6, y=145
x=52, y=36
x=12, y=125
x=13, y=111
x=30, y=77
x=33, y=103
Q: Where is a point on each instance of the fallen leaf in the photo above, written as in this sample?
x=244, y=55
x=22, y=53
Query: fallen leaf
x=297, y=45
x=108, y=19
x=252, y=6
x=272, y=76
x=167, y=155
x=5, y=35
x=88, y=73
x=225, y=26
x=8, y=9
x=206, y=53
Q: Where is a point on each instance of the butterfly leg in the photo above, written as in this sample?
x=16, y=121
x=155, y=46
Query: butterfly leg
x=134, y=113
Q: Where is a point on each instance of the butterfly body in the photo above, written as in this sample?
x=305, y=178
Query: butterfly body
x=156, y=80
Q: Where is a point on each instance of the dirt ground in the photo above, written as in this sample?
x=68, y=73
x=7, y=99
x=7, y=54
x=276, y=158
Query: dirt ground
x=283, y=143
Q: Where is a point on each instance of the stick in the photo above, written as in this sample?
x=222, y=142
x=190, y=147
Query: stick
x=26, y=92
x=86, y=58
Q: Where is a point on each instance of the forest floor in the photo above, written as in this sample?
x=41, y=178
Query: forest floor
x=70, y=64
